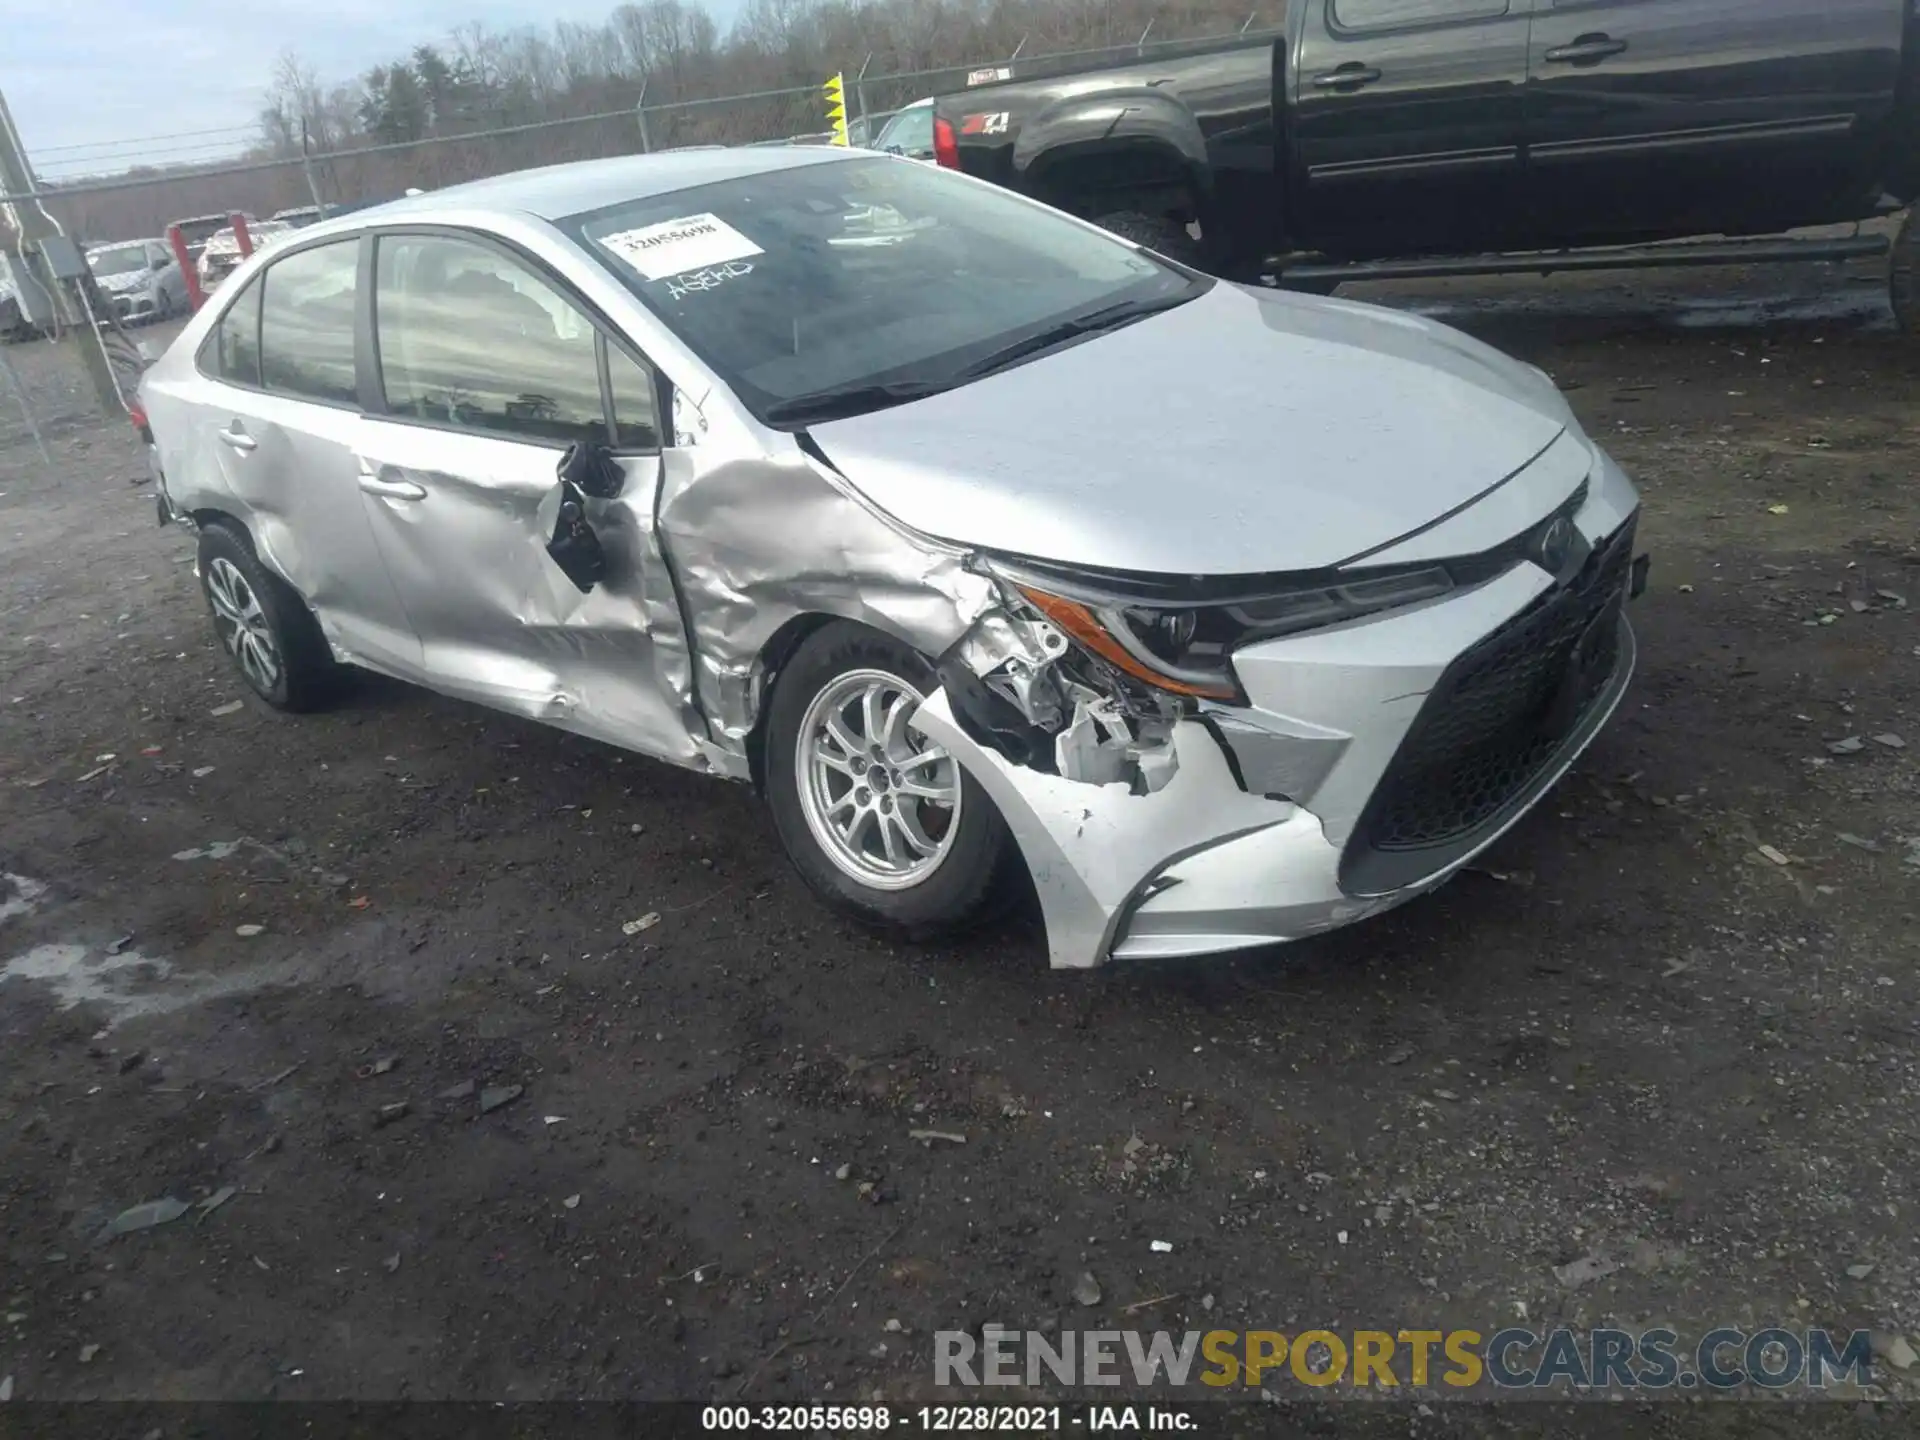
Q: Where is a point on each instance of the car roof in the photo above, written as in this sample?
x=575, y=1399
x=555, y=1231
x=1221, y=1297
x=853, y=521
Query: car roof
x=556, y=191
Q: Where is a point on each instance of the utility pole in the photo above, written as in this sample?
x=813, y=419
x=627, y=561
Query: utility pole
x=306, y=166
x=53, y=260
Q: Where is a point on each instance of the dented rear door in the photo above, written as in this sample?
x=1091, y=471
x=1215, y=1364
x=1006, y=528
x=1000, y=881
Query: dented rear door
x=277, y=412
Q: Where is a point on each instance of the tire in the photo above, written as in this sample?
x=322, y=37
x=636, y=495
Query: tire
x=1160, y=233
x=1903, y=280
x=967, y=881
x=264, y=625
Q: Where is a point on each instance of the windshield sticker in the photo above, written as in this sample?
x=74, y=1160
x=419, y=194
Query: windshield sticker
x=673, y=247
x=987, y=77
x=694, y=282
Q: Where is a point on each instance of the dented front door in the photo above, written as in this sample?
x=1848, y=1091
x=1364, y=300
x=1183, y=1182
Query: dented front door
x=488, y=369
x=456, y=517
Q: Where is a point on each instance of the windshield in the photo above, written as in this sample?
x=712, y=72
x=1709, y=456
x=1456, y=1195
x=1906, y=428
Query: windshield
x=862, y=272
x=119, y=260
x=908, y=133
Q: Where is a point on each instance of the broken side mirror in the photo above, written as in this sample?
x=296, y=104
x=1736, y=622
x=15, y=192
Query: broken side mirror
x=592, y=468
x=571, y=543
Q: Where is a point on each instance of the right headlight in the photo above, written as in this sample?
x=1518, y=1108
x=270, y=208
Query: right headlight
x=1187, y=647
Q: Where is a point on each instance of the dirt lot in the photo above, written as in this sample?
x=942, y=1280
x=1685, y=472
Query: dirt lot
x=1669, y=1026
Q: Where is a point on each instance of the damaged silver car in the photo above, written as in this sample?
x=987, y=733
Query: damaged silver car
x=982, y=541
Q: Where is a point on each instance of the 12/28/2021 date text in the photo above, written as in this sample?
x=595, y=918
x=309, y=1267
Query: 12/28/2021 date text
x=856, y=1419
x=943, y=1419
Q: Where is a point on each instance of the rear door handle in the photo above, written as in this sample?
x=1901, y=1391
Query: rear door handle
x=1585, y=50
x=237, y=438
x=375, y=484
x=1350, y=75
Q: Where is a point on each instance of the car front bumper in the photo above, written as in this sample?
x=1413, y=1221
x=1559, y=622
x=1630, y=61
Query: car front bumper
x=1373, y=761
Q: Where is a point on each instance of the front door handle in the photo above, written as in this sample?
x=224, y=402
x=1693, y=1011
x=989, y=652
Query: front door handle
x=237, y=439
x=1351, y=75
x=391, y=489
x=1586, y=50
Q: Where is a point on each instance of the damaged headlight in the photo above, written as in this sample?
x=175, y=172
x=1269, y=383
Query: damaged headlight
x=1186, y=646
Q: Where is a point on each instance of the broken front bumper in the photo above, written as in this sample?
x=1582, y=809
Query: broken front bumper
x=1374, y=760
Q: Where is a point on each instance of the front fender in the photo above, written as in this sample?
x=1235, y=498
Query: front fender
x=755, y=542
x=1080, y=128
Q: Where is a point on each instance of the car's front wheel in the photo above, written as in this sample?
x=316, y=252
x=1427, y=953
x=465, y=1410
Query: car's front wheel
x=881, y=823
x=273, y=638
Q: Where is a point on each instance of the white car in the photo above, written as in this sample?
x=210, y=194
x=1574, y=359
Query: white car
x=222, y=255
x=140, y=278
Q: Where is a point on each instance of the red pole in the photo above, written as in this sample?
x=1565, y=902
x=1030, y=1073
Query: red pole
x=175, y=238
x=240, y=235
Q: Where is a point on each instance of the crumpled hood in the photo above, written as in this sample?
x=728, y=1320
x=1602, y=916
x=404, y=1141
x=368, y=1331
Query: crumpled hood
x=1246, y=431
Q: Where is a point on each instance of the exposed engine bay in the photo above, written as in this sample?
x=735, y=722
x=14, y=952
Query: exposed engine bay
x=1019, y=686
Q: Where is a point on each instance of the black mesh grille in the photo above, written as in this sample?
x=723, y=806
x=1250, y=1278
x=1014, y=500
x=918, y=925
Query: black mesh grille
x=1501, y=711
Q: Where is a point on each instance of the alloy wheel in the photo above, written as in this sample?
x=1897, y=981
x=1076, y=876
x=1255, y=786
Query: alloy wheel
x=882, y=802
x=243, y=625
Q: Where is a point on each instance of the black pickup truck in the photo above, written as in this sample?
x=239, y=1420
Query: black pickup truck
x=1401, y=138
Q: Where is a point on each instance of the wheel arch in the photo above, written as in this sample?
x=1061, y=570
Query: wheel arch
x=777, y=653
x=774, y=655
x=208, y=515
x=1136, y=148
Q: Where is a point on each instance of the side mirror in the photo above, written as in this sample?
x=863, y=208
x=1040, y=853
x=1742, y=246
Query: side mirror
x=571, y=543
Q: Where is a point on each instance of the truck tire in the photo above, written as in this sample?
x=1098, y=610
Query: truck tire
x=1160, y=233
x=1904, y=277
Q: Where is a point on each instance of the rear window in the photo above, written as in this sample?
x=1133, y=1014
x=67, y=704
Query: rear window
x=872, y=269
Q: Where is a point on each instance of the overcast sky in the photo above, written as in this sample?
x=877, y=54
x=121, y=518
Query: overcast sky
x=77, y=75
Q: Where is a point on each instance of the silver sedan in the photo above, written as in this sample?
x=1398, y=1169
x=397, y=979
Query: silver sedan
x=995, y=550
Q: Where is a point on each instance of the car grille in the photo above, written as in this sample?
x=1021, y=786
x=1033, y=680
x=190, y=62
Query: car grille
x=1497, y=717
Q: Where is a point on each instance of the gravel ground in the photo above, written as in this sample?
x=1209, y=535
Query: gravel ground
x=1652, y=1062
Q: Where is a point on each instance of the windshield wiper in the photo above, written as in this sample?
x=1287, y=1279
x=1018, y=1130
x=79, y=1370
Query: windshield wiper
x=1108, y=317
x=854, y=400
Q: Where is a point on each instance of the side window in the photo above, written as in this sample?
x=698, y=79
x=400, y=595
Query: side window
x=471, y=338
x=306, y=324
x=910, y=132
x=1393, y=14
x=636, y=403
x=232, y=351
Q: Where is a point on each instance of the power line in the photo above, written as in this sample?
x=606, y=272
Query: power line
x=143, y=140
x=99, y=164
